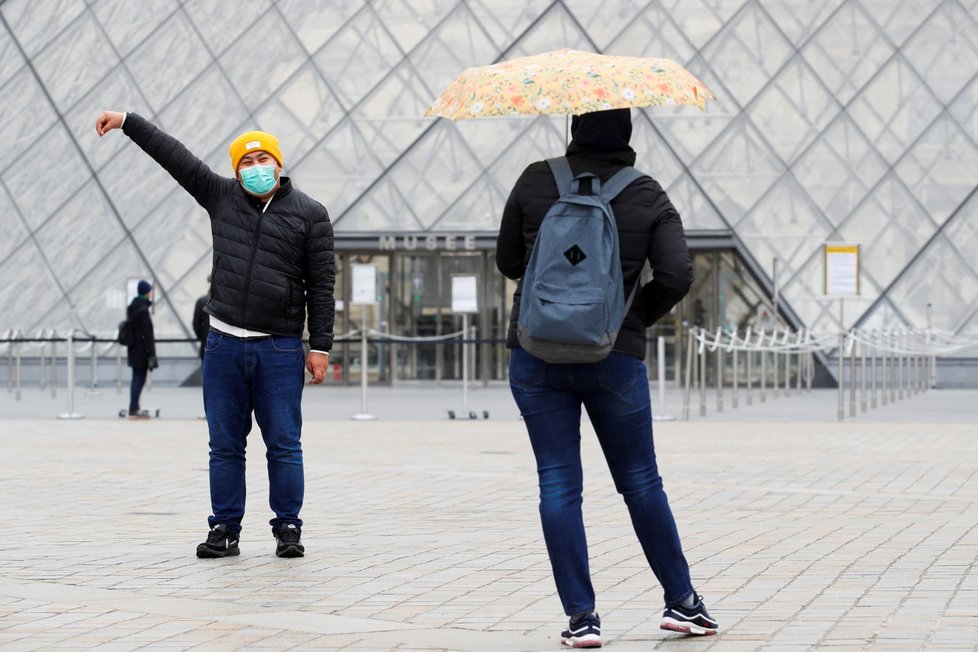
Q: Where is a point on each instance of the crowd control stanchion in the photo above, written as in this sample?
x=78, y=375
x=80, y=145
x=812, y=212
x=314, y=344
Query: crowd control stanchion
x=689, y=373
x=93, y=385
x=363, y=415
x=118, y=368
x=17, y=371
x=660, y=362
x=701, y=350
x=719, y=350
x=750, y=368
x=851, y=352
x=760, y=349
x=54, y=364
x=465, y=364
x=842, y=370
x=734, y=398
x=71, y=414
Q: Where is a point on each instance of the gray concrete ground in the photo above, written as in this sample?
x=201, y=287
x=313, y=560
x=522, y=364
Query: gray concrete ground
x=422, y=532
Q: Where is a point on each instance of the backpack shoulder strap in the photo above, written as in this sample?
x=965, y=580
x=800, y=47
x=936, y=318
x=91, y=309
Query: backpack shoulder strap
x=621, y=180
x=562, y=172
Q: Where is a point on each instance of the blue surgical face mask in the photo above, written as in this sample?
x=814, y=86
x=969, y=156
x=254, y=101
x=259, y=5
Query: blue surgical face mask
x=258, y=179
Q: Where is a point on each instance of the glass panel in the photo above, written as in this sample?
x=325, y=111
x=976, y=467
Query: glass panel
x=36, y=22
x=206, y=117
x=315, y=21
x=894, y=109
x=900, y=19
x=940, y=169
x=254, y=72
x=409, y=22
x=415, y=290
x=798, y=19
x=135, y=183
x=555, y=30
x=459, y=43
x=46, y=176
x=839, y=169
x=847, y=51
x=223, y=23
x=701, y=19
x=372, y=317
x=440, y=149
x=939, y=278
x=737, y=170
x=10, y=59
x=883, y=316
x=66, y=65
x=392, y=117
x=653, y=155
x=945, y=50
x=478, y=208
x=786, y=225
x=603, y=21
x=493, y=138
x=339, y=170
x=696, y=211
x=301, y=113
x=504, y=20
x=891, y=227
x=965, y=109
x=793, y=110
x=11, y=225
x=962, y=232
x=27, y=114
x=79, y=235
x=116, y=92
x=652, y=33
x=358, y=57
x=382, y=208
x=29, y=290
x=129, y=23
x=747, y=53
x=176, y=43
x=188, y=239
x=541, y=140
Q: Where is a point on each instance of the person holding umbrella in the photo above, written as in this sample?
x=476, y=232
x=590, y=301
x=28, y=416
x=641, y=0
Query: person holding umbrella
x=614, y=391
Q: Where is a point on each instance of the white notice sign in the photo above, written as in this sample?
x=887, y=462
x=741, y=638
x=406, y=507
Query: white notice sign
x=841, y=270
x=464, y=294
x=364, y=279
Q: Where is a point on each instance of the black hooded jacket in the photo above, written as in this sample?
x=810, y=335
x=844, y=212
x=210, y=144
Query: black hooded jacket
x=141, y=347
x=269, y=267
x=649, y=228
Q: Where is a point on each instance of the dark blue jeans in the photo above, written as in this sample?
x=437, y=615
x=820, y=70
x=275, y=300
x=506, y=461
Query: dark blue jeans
x=615, y=393
x=264, y=376
x=136, y=387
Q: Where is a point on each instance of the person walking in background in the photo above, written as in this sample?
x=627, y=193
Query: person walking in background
x=614, y=391
x=273, y=265
x=140, y=347
x=201, y=323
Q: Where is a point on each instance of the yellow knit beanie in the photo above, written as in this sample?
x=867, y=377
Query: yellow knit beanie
x=253, y=141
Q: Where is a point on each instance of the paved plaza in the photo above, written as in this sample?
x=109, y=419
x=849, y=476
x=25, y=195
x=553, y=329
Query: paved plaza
x=422, y=532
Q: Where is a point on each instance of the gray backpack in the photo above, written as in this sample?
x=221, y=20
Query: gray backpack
x=572, y=305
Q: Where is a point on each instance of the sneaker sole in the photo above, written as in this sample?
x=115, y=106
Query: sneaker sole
x=686, y=628
x=290, y=552
x=206, y=553
x=591, y=640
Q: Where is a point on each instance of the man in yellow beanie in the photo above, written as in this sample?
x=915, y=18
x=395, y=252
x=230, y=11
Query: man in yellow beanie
x=273, y=274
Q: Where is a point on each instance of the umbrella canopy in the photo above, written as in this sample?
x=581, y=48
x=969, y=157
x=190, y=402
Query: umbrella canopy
x=570, y=82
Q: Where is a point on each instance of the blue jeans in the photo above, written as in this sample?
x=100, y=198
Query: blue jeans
x=264, y=376
x=615, y=393
x=136, y=387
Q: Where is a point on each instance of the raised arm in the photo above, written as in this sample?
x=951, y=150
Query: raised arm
x=203, y=184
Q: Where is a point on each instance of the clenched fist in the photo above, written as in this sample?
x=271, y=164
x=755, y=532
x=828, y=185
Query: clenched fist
x=108, y=121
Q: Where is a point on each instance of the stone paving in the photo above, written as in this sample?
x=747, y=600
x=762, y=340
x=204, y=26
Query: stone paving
x=423, y=535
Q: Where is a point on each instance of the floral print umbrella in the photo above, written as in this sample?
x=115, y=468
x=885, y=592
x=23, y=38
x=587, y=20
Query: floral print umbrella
x=570, y=82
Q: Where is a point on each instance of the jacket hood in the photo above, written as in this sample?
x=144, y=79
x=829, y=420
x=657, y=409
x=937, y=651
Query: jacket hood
x=606, y=130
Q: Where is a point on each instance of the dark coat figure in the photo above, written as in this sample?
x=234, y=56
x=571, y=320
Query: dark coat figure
x=201, y=322
x=141, y=351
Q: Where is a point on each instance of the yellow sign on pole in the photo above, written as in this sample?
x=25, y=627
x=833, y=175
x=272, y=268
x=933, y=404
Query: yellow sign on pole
x=841, y=278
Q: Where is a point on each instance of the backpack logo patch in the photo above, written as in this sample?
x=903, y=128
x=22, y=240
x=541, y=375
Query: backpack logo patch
x=575, y=255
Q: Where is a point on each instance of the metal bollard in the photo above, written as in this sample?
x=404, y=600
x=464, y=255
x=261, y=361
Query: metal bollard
x=842, y=370
x=736, y=370
x=689, y=374
x=701, y=350
x=17, y=374
x=852, y=376
x=862, y=376
x=719, y=374
x=750, y=371
x=872, y=398
x=775, y=382
x=54, y=365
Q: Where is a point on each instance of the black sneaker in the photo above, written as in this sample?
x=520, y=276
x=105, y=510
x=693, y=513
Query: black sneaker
x=689, y=620
x=288, y=540
x=220, y=543
x=584, y=630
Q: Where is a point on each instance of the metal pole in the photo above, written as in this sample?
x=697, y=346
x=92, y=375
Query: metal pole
x=118, y=368
x=54, y=365
x=41, y=365
x=852, y=376
x=660, y=414
x=93, y=388
x=701, y=351
x=719, y=373
x=862, y=377
x=689, y=374
x=70, y=361
x=17, y=373
x=842, y=370
x=465, y=366
x=760, y=344
x=364, y=415
x=775, y=382
x=736, y=371
x=901, y=380
x=750, y=371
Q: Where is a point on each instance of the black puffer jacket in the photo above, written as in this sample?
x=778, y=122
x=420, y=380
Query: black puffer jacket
x=268, y=267
x=649, y=228
x=142, y=342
